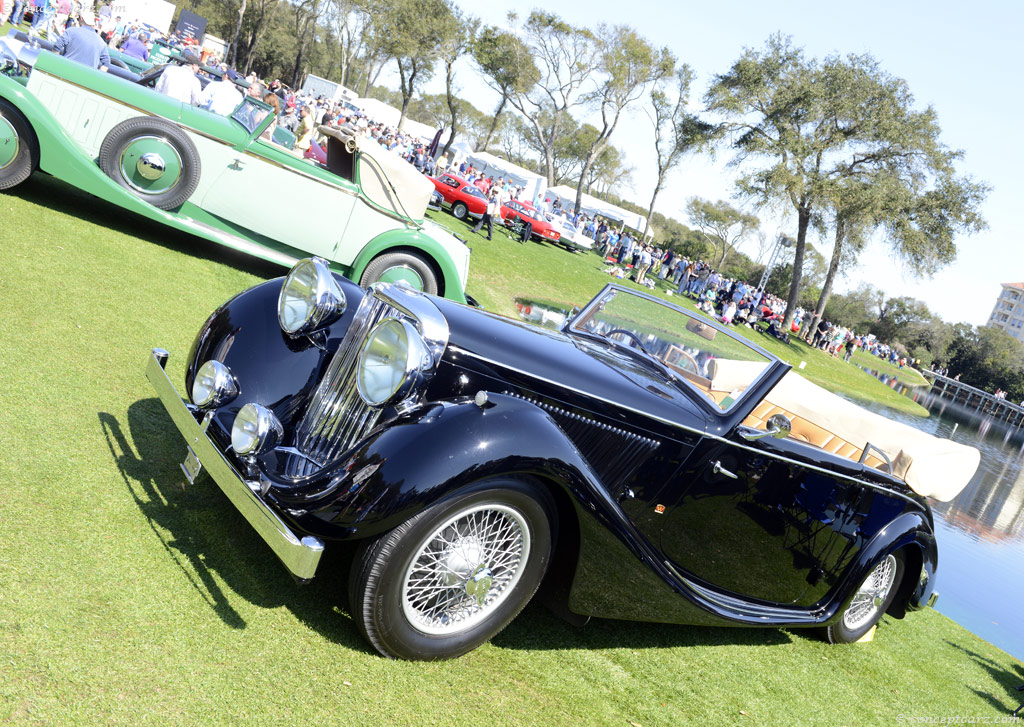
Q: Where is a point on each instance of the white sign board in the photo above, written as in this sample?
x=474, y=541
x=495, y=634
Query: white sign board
x=157, y=13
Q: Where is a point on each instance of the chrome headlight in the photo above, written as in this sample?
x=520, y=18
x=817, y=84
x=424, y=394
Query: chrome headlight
x=214, y=385
x=392, y=362
x=310, y=298
x=255, y=431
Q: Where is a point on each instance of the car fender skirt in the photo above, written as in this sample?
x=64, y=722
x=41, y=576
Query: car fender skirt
x=431, y=453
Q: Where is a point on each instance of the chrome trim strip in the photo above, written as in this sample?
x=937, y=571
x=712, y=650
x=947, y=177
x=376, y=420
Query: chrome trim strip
x=746, y=609
x=300, y=555
x=683, y=427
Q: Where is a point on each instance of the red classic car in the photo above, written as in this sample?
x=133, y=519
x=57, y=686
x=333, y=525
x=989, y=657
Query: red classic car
x=464, y=198
x=515, y=211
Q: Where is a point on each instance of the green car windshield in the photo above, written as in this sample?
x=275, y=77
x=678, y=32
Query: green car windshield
x=690, y=351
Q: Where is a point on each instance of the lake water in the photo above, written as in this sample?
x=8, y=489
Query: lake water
x=981, y=532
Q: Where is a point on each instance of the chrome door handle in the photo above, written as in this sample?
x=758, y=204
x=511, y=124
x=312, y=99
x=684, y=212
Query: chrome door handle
x=718, y=469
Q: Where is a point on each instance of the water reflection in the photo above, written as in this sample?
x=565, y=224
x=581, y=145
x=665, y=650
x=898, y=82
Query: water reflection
x=981, y=531
x=543, y=314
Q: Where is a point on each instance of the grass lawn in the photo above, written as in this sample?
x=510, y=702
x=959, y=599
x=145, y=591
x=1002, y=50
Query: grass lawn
x=127, y=597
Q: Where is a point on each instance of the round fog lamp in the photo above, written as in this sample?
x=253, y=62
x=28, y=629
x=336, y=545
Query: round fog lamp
x=255, y=431
x=214, y=385
x=390, y=363
x=310, y=298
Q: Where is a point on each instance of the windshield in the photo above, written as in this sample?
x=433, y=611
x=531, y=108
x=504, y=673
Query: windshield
x=709, y=360
x=251, y=113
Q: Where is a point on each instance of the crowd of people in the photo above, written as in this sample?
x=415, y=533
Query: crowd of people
x=86, y=35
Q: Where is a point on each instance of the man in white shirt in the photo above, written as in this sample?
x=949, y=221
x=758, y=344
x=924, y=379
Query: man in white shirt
x=221, y=97
x=180, y=82
x=493, y=210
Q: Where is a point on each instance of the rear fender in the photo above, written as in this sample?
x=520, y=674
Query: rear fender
x=411, y=240
x=911, y=532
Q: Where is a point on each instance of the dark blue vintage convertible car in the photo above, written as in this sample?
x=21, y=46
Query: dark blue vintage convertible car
x=641, y=463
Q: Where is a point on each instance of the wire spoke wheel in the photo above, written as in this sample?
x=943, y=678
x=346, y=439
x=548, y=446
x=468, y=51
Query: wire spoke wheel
x=871, y=596
x=448, y=579
x=466, y=569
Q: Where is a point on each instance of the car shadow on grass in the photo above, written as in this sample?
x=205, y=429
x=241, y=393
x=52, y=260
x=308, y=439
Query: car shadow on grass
x=1011, y=680
x=209, y=541
x=46, y=191
x=538, y=628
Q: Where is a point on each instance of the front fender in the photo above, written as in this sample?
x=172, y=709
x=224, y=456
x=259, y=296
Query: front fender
x=271, y=367
x=413, y=462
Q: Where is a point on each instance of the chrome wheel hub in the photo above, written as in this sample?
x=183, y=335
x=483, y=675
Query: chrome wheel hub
x=151, y=166
x=9, y=143
x=465, y=569
x=871, y=595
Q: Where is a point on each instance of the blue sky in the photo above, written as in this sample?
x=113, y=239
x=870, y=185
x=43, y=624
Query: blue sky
x=960, y=58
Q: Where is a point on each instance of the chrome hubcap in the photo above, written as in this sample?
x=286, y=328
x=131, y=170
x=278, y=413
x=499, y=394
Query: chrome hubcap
x=402, y=273
x=151, y=166
x=465, y=569
x=9, y=143
x=871, y=595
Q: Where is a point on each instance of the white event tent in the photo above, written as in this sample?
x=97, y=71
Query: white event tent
x=593, y=206
x=388, y=115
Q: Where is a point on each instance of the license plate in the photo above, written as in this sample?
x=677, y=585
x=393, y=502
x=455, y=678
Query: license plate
x=191, y=466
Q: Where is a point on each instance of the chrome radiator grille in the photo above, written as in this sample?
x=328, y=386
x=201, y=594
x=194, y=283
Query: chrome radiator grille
x=337, y=416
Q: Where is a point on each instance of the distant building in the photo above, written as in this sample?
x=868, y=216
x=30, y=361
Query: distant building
x=1008, y=315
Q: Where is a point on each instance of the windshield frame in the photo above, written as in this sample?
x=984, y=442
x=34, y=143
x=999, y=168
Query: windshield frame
x=574, y=327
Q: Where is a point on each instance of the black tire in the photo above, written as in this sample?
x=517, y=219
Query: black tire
x=130, y=138
x=409, y=266
x=873, y=597
x=440, y=550
x=460, y=210
x=18, y=146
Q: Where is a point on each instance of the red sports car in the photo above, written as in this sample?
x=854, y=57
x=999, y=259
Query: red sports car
x=464, y=198
x=514, y=210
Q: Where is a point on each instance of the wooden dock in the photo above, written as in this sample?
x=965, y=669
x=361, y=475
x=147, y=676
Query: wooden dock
x=972, y=398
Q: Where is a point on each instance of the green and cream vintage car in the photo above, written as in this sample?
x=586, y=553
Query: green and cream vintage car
x=215, y=177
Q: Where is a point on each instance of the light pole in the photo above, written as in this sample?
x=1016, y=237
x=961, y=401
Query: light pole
x=782, y=241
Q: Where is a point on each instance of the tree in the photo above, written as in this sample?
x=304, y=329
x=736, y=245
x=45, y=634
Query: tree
x=775, y=107
x=566, y=59
x=412, y=33
x=988, y=359
x=458, y=40
x=722, y=225
x=305, y=15
x=508, y=68
x=891, y=163
x=676, y=132
x=627, y=64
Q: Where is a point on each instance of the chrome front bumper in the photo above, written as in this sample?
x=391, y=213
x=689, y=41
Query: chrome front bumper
x=300, y=555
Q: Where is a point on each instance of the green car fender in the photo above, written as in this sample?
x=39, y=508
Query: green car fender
x=414, y=241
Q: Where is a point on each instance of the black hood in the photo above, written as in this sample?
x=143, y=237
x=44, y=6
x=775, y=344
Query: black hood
x=573, y=369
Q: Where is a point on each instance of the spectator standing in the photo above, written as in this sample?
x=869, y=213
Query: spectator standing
x=493, y=210
x=221, y=97
x=180, y=82
x=135, y=46
x=82, y=44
